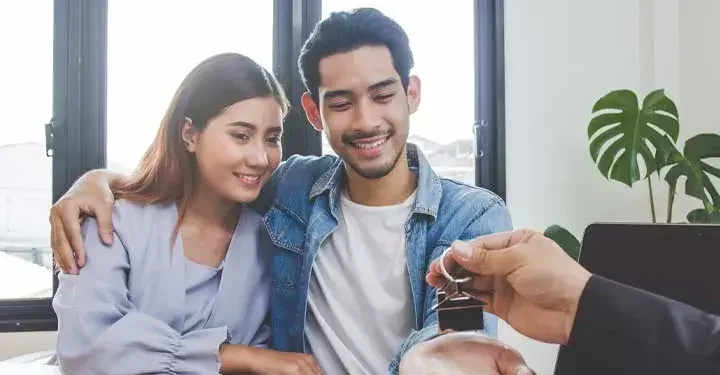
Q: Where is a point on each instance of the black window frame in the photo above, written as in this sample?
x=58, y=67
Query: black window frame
x=77, y=127
x=489, y=126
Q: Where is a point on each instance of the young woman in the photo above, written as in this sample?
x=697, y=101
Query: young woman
x=184, y=287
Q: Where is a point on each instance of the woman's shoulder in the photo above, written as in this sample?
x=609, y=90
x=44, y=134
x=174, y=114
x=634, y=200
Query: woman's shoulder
x=129, y=216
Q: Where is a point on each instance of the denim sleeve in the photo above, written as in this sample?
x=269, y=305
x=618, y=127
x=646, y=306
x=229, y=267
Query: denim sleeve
x=101, y=332
x=494, y=219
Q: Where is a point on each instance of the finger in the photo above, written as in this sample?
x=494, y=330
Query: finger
x=481, y=261
x=434, y=276
x=501, y=240
x=102, y=210
x=61, y=247
x=73, y=233
x=55, y=244
x=316, y=370
x=511, y=362
x=482, y=283
x=306, y=368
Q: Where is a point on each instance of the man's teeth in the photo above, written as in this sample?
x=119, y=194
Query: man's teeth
x=371, y=145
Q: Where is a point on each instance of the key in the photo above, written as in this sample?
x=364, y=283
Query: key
x=457, y=308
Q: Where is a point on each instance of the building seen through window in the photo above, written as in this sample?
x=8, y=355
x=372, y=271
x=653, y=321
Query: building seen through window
x=149, y=53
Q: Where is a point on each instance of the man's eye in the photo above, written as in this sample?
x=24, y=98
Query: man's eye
x=384, y=98
x=340, y=106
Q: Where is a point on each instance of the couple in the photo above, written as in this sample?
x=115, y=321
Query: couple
x=216, y=257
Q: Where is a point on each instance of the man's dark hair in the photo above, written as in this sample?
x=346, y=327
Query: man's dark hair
x=349, y=30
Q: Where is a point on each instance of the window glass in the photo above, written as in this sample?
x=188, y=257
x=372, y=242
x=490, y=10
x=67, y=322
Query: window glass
x=153, y=45
x=26, y=37
x=441, y=38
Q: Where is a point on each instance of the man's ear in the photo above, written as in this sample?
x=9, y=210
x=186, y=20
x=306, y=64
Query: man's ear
x=189, y=135
x=312, y=112
x=413, y=93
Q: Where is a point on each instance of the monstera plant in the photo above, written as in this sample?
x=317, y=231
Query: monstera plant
x=624, y=132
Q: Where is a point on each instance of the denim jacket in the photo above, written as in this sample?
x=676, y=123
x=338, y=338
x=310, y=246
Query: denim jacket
x=301, y=204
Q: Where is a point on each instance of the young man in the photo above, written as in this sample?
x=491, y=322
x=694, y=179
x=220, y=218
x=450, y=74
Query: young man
x=356, y=232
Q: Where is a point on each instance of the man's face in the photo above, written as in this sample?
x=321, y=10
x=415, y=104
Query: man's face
x=364, y=109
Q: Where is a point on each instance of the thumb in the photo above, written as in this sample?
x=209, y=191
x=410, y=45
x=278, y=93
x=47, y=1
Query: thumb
x=485, y=262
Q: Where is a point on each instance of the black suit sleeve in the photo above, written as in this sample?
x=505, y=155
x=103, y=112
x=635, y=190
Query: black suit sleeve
x=639, y=323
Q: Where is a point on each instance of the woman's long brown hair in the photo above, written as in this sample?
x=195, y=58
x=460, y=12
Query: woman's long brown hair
x=167, y=172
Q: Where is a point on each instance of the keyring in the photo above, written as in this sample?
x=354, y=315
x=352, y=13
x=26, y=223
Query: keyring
x=445, y=272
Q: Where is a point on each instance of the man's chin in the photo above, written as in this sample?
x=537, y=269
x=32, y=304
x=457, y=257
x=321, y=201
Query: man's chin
x=374, y=169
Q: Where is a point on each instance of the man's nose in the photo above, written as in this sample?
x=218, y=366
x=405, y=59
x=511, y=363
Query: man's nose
x=367, y=115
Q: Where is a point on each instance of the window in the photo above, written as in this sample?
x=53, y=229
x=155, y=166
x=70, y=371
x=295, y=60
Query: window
x=26, y=73
x=150, y=52
x=441, y=38
x=101, y=74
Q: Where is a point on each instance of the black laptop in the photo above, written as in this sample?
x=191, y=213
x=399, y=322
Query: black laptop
x=678, y=261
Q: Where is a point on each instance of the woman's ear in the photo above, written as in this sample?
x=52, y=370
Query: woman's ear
x=189, y=135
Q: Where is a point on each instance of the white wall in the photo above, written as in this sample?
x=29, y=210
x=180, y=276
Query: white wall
x=563, y=55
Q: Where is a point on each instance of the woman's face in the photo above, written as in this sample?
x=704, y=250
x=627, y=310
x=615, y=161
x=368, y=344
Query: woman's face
x=239, y=149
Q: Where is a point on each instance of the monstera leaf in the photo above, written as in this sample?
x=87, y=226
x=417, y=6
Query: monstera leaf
x=702, y=216
x=564, y=239
x=692, y=165
x=624, y=131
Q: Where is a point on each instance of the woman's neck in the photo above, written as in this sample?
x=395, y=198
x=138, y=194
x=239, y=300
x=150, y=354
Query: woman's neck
x=206, y=208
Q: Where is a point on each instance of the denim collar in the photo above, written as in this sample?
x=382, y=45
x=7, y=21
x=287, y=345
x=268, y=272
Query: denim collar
x=429, y=190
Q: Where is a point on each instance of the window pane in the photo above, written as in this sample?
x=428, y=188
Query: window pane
x=153, y=45
x=26, y=37
x=441, y=38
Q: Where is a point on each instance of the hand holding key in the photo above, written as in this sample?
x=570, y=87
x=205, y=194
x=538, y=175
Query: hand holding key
x=535, y=285
x=458, y=304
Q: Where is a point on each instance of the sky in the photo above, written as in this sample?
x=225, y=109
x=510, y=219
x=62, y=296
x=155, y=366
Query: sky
x=153, y=44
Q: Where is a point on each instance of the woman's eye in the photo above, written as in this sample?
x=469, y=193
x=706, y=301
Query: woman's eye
x=242, y=137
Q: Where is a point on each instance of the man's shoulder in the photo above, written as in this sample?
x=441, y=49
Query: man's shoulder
x=304, y=170
x=467, y=211
x=458, y=194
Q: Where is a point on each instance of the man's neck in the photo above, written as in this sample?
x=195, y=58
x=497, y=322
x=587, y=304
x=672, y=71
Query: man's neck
x=393, y=188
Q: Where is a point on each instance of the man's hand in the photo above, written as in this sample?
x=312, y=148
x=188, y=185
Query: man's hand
x=89, y=195
x=463, y=353
x=536, y=286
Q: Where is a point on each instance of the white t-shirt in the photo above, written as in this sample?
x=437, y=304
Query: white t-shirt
x=359, y=301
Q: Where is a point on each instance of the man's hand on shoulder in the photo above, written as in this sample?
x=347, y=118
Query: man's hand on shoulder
x=465, y=353
x=90, y=195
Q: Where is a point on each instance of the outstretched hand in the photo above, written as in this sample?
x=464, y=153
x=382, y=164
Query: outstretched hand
x=535, y=285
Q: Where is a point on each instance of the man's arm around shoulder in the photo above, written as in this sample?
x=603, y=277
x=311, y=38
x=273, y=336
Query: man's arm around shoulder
x=494, y=217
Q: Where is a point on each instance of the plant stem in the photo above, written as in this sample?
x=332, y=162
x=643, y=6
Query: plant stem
x=652, y=199
x=671, y=201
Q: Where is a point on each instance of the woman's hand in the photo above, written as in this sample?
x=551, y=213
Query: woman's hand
x=284, y=363
x=249, y=359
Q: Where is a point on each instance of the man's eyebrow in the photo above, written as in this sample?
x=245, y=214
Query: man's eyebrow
x=383, y=83
x=375, y=86
x=336, y=93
